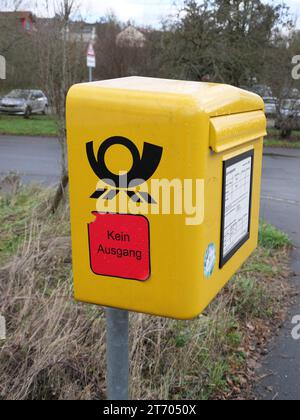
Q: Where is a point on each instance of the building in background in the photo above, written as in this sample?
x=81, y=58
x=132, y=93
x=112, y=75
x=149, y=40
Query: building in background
x=24, y=20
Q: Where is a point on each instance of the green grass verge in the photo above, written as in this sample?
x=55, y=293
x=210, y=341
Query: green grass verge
x=285, y=144
x=59, y=345
x=15, y=218
x=273, y=140
x=273, y=132
x=36, y=125
x=272, y=238
x=14, y=213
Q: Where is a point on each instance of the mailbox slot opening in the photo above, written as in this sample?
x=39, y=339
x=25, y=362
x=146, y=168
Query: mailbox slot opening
x=231, y=131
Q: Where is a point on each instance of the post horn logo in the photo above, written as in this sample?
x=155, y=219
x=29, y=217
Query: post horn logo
x=143, y=168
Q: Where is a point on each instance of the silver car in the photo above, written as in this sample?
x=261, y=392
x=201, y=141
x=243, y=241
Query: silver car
x=24, y=102
x=270, y=106
x=289, y=116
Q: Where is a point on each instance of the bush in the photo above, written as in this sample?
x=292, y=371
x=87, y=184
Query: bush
x=272, y=238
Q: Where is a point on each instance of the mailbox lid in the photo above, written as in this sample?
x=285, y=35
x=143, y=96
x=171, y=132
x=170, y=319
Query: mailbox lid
x=230, y=131
x=211, y=99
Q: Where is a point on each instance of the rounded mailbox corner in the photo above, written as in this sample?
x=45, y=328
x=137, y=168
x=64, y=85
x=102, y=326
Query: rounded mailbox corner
x=189, y=315
x=76, y=91
x=193, y=107
x=77, y=295
x=71, y=92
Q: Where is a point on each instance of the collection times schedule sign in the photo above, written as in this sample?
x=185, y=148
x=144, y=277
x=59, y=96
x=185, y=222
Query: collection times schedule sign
x=237, y=195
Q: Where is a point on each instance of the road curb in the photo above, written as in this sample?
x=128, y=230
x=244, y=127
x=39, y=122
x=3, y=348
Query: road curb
x=283, y=153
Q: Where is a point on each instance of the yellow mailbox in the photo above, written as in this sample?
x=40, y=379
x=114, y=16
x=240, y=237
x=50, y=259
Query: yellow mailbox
x=165, y=189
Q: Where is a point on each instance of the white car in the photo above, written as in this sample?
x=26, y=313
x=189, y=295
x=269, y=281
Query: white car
x=24, y=102
x=289, y=117
x=270, y=106
x=290, y=108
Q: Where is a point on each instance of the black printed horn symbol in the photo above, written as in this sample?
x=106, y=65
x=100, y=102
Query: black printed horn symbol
x=142, y=169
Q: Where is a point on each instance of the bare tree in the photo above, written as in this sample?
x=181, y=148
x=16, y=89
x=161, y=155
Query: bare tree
x=60, y=64
x=16, y=45
x=278, y=75
x=119, y=59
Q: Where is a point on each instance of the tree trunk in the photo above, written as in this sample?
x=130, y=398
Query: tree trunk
x=60, y=192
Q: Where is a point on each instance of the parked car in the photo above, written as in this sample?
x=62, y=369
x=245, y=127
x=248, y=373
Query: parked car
x=270, y=101
x=291, y=93
x=288, y=118
x=24, y=102
x=262, y=90
x=270, y=106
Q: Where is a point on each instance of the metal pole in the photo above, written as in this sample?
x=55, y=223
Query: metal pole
x=117, y=355
x=90, y=74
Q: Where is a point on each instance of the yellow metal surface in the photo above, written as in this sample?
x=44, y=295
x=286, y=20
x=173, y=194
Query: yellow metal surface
x=231, y=131
x=194, y=124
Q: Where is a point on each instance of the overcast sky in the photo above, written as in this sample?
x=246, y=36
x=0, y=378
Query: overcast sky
x=145, y=12
x=149, y=12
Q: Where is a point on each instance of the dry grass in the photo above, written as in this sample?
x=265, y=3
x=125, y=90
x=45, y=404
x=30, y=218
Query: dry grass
x=55, y=348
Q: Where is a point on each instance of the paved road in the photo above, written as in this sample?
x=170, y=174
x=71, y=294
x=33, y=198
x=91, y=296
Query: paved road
x=37, y=159
x=281, y=207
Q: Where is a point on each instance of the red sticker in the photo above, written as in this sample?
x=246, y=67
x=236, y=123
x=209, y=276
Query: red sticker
x=120, y=246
